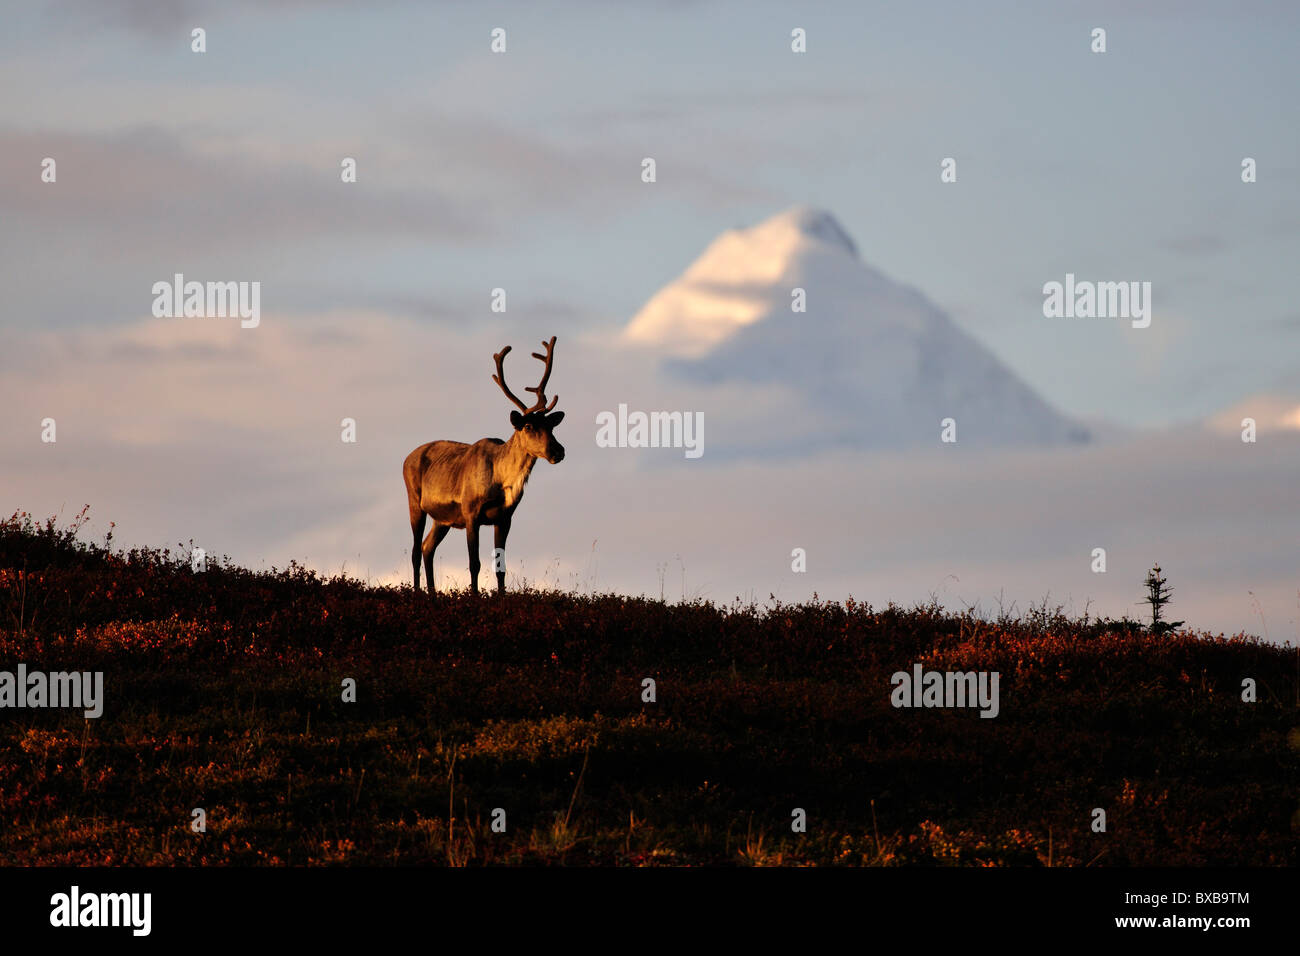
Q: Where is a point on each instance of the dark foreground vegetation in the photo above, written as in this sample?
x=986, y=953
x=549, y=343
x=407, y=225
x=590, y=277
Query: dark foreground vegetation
x=223, y=691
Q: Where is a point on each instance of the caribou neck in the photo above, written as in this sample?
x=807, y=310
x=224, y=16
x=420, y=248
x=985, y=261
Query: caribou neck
x=513, y=466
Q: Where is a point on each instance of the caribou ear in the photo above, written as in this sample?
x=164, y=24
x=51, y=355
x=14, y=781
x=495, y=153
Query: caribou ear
x=517, y=420
x=556, y=418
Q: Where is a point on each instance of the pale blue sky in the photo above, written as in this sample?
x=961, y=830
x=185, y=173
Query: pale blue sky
x=522, y=170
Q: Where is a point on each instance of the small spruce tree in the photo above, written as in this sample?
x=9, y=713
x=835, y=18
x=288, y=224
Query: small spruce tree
x=1158, y=595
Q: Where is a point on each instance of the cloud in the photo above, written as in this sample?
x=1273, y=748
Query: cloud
x=151, y=189
x=1195, y=246
x=180, y=429
x=1272, y=412
x=133, y=206
x=159, y=18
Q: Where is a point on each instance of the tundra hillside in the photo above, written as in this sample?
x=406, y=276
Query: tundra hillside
x=223, y=692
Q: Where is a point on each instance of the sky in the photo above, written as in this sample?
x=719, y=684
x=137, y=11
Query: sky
x=522, y=170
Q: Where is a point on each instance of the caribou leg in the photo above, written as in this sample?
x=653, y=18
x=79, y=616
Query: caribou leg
x=499, y=535
x=436, y=534
x=417, y=531
x=471, y=537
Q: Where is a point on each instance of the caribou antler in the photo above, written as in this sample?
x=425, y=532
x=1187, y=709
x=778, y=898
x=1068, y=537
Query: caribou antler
x=500, y=379
x=540, y=390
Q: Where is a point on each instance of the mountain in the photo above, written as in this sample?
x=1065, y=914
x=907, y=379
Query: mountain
x=870, y=363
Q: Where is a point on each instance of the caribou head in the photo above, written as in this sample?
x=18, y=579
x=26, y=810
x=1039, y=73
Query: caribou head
x=534, y=424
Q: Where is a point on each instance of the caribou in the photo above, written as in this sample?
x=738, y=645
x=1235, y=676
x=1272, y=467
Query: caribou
x=467, y=486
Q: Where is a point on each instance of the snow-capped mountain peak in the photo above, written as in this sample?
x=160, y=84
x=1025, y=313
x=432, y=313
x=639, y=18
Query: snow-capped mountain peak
x=789, y=303
x=734, y=281
x=807, y=222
